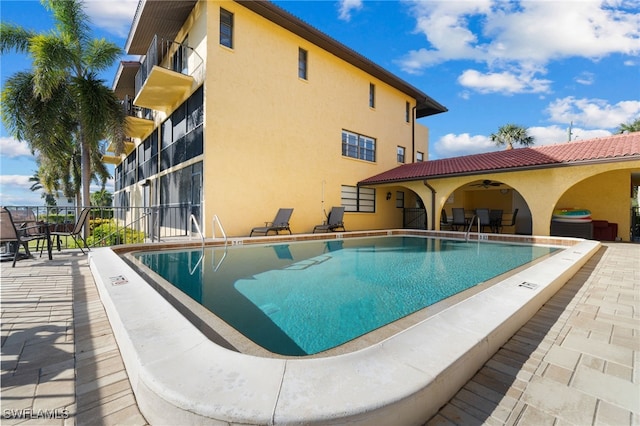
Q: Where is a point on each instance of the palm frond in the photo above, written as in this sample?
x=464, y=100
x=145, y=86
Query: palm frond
x=14, y=37
x=100, y=54
x=70, y=19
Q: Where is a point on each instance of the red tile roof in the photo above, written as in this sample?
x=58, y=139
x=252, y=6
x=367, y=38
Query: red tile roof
x=607, y=149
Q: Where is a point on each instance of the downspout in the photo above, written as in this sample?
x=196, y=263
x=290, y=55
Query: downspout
x=413, y=133
x=433, y=204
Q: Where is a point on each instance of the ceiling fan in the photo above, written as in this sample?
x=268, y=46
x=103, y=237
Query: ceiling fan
x=487, y=183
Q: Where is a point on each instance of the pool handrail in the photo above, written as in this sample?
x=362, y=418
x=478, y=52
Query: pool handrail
x=194, y=221
x=213, y=227
x=473, y=218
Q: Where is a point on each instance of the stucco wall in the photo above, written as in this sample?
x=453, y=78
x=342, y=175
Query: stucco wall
x=274, y=140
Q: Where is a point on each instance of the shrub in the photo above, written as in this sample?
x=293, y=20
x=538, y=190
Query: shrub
x=106, y=233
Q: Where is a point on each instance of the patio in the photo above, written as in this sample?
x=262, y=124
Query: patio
x=576, y=361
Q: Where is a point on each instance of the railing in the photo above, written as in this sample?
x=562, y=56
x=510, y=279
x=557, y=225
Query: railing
x=193, y=221
x=108, y=226
x=216, y=219
x=466, y=235
x=170, y=55
x=131, y=110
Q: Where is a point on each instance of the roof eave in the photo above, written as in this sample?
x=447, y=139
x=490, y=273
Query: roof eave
x=607, y=160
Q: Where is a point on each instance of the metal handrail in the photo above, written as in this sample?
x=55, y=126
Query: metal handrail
x=213, y=226
x=194, y=221
x=466, y=236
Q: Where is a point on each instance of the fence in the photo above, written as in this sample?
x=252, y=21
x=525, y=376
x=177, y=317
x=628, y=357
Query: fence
x=108, y=226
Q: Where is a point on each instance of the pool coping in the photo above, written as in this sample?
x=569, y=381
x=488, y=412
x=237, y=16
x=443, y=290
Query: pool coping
x=180, y=376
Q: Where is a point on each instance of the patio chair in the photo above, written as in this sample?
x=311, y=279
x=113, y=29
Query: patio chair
x=444, y=220
x=76, y=232
x=334, y=221
x=22, y=235
x=513, y=221
x=280, y=223
x=495, y=220
x=458, y=218
x=483, y=218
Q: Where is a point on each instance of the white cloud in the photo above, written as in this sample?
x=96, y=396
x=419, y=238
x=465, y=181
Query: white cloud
x=15, y=180
x=113, y=16
x=516, y=41
x=592, y=113
x=585, y=78
x=503, y=82
x=10, y=147
x=452, y=145
x=346, y=7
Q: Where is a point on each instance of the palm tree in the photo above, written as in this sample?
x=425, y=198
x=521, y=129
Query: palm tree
x=102, y=198
x=631, y=127
x=61, y=108
x=510, y=134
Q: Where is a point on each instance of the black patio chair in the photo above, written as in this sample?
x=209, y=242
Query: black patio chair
x=76, y=232
x=334, y=221
x=280, y=223
x=22, y=235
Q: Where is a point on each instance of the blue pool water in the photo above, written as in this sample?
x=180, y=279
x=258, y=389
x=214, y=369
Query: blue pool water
x=306, y=297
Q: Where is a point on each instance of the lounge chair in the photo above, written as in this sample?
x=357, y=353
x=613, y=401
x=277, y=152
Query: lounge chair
x=334, y=221
x=22, y=235
x=280, y=223
x=458, y=218
x=76, y=232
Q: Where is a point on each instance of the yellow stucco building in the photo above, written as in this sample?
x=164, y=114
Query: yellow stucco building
x=599, y=175
x=238, y=109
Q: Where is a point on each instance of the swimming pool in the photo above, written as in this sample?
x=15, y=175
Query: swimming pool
x=181, y=375
x=305, y=298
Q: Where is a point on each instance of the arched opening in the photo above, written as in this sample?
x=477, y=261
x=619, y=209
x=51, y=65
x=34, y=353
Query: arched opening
x=501, y=199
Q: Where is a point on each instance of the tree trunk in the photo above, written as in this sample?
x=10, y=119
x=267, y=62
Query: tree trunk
x=86, y=178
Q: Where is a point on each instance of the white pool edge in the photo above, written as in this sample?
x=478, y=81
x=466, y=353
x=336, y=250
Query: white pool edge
x=180, y=377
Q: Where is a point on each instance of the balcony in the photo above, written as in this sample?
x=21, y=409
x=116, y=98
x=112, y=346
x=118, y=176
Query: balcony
x=111, y=159
x=165, y=77
x=139, y=120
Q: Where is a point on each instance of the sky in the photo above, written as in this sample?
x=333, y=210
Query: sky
x=554, y=67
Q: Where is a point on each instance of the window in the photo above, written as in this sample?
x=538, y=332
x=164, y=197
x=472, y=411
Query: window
x=400, y=154
x=182, y=132
x=400, y=199
x=419, y=156
x=372, y=95
x=180, y=59
x=302, y=63
x=407, y=112
x=226, y=28
x=358, y=199
x=358, y=146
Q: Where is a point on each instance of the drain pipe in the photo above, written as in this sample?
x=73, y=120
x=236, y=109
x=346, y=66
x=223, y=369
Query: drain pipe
x=413, y=133
x=433, y=204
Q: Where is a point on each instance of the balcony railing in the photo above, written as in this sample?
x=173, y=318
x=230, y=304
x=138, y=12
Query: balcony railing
x=131, y=110
x=167, y=54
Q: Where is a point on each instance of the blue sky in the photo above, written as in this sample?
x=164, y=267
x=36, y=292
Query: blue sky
x=540, y=64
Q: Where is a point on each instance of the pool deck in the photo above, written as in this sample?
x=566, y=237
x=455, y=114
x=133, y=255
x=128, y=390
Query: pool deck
x=577, y=361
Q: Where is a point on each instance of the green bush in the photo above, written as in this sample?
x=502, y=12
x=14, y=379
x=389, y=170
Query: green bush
x=105, y=233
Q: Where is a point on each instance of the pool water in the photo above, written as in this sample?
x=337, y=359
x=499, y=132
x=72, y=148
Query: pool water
x=306, y=297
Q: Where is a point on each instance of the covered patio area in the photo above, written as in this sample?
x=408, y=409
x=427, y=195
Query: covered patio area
x=599, y=175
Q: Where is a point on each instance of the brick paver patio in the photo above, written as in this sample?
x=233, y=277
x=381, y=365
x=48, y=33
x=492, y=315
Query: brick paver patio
x=577, y=362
